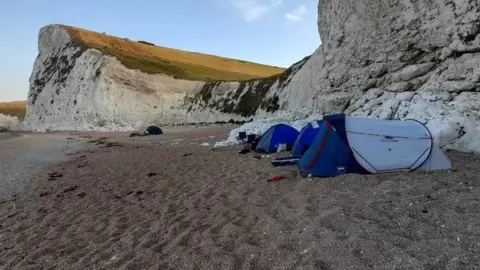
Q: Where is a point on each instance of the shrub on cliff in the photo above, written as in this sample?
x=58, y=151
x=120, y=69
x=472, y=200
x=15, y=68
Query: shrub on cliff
x=146, y=42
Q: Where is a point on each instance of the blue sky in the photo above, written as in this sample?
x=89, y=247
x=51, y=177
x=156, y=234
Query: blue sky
x=275, y=32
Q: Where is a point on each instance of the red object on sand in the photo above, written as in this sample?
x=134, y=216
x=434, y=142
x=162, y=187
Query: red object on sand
x=276, y=178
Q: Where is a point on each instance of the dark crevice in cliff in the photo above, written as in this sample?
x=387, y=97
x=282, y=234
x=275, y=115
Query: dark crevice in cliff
x=59, y=65
x=457, y=54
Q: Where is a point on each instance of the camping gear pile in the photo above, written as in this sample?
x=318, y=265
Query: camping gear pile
x=340, y=144
x=151, y=130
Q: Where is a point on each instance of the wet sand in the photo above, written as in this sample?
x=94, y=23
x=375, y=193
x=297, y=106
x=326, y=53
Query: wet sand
x=22, y=155
x=169, y=203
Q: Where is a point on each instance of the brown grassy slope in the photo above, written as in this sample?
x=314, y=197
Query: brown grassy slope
x=180, y=64
x=14, y=108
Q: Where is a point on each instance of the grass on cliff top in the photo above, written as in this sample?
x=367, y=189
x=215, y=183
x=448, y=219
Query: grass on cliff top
x=14, y=108
x=150, y=58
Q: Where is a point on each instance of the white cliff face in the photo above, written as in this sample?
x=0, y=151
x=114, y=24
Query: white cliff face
x=72, y=88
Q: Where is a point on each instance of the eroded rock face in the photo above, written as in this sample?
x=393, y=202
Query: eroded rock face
x=396, y=60
x=240, y=101
x=75, y=88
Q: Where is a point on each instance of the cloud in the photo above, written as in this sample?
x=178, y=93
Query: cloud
x=255, y=9
x=296, y=15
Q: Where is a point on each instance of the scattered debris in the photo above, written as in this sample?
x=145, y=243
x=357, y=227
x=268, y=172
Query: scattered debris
x=72, y=188
x=137, y=134
x=99, y=141
x=8, y=247
x=276, y=178
x=12, y=200
x=244, y=151
x=82, y=165
x=112, y=144
x=53, y=176
x=45, y=193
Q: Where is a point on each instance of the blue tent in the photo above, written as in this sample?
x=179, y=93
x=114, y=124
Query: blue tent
x=330, y=154
x=347, y=144
x=276, y=135
x=306, y=137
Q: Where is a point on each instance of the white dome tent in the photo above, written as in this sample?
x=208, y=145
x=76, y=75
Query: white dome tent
x=393, y=145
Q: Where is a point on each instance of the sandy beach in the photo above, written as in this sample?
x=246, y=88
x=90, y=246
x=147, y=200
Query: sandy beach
x=167, y=202
x=22, y=155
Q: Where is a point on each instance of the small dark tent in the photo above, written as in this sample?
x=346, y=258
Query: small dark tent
x=328, y=155
x=154, y=130
x=276, y=135
x=306, y=137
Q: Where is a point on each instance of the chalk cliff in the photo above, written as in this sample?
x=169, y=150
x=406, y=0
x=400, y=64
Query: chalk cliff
x=77, y=87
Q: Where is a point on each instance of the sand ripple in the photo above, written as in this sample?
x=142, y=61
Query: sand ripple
x=215, y=210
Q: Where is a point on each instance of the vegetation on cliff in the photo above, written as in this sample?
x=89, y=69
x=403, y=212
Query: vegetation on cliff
x=249, y=96
x=243, y=100
x=149, y=58
x=14, y=108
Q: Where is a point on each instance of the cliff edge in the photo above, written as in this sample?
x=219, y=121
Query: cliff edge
x=84, y=80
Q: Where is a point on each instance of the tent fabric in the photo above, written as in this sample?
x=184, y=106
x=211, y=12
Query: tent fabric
x=346, y=144
x=338, y=123
x=306, y=137
x=436, y=161
x=328, y=155
x=388, y=145
x=154, y=130
x=276, y=135
x=283, y=161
